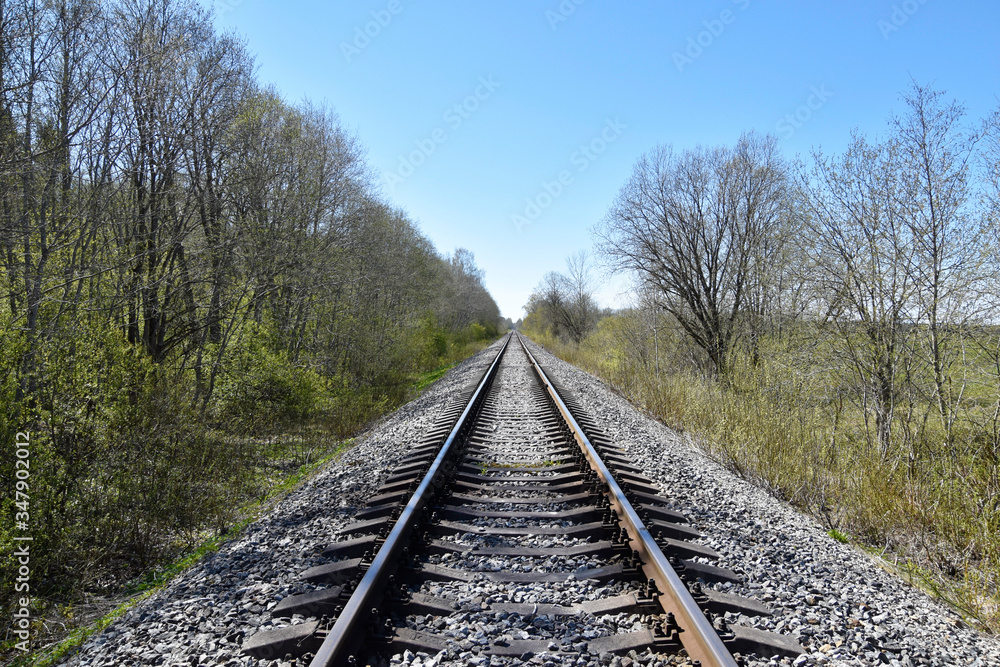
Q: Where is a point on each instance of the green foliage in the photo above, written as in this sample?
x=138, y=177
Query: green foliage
x=259, y=387
x=127, y=470
x=844, y=538
x=438, y=344
x=537, y=328
x=443, y=348
x=154, y=580
x=119, y=459
x=427, y=379
x=223, y=304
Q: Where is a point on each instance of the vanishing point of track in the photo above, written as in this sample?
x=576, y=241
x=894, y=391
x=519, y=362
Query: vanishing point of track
x=517, y=487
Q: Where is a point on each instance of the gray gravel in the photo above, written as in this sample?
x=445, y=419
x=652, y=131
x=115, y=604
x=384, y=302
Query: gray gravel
x=517, y=436
x=835, y=600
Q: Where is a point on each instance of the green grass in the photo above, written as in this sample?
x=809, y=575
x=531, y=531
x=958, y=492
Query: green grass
x=839, y=536
x=793, y=425
x=425, y=380
x=75, y=639
x=295, y=446
x=458, y=352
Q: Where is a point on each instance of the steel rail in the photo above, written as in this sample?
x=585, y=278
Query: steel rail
x=348, y=631
x=699, y=638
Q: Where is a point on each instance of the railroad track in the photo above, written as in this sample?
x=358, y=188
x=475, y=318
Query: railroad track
x=514, y=529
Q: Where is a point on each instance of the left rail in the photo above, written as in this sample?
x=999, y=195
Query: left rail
x=349, y=630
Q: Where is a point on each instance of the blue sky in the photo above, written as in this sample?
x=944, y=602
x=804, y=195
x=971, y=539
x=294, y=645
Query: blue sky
x=508, y=127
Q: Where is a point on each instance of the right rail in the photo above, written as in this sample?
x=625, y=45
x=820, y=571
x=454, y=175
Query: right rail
x=699, y=637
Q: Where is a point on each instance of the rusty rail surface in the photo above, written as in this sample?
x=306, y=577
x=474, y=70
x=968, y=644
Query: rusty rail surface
x=699, y=637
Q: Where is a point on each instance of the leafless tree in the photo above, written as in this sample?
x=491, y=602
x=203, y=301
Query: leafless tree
x=462, y=296
x=950, y=235
x=564, y=303
x=701, y=229
x=863, y=251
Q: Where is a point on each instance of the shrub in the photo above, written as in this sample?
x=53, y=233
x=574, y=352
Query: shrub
x=259, y=389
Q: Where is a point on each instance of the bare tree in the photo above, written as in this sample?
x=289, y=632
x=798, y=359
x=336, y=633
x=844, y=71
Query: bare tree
x=701, y=229
x=863, y=252
x=463, y=299
x=564, y=303
x=580, y=284
x=949, y=232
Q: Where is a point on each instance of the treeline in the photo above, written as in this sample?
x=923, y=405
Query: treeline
x=189, y=265
x=829, y=327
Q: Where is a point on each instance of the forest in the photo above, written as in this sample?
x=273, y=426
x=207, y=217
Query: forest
x=825, y=326
x=204, y=292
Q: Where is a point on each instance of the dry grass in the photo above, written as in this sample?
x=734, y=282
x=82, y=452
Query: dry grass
x=787, y=426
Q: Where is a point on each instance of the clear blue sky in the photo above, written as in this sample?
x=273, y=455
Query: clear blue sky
x=536, y=81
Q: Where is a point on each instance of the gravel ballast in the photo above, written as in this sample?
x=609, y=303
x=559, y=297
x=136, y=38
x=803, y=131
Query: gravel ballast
x=836, y=601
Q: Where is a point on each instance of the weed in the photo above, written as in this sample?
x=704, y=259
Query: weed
x=839, y=536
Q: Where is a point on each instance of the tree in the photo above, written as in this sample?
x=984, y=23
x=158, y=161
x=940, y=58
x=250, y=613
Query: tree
x=464, y=299
x=862, y=248
x=582, y=311
x=949, y=232
x=185, y=257
x=701, y=229
x=563, y=304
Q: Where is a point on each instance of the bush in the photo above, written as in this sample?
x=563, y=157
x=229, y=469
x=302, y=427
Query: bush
x=259, y=389
x=130, y=464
